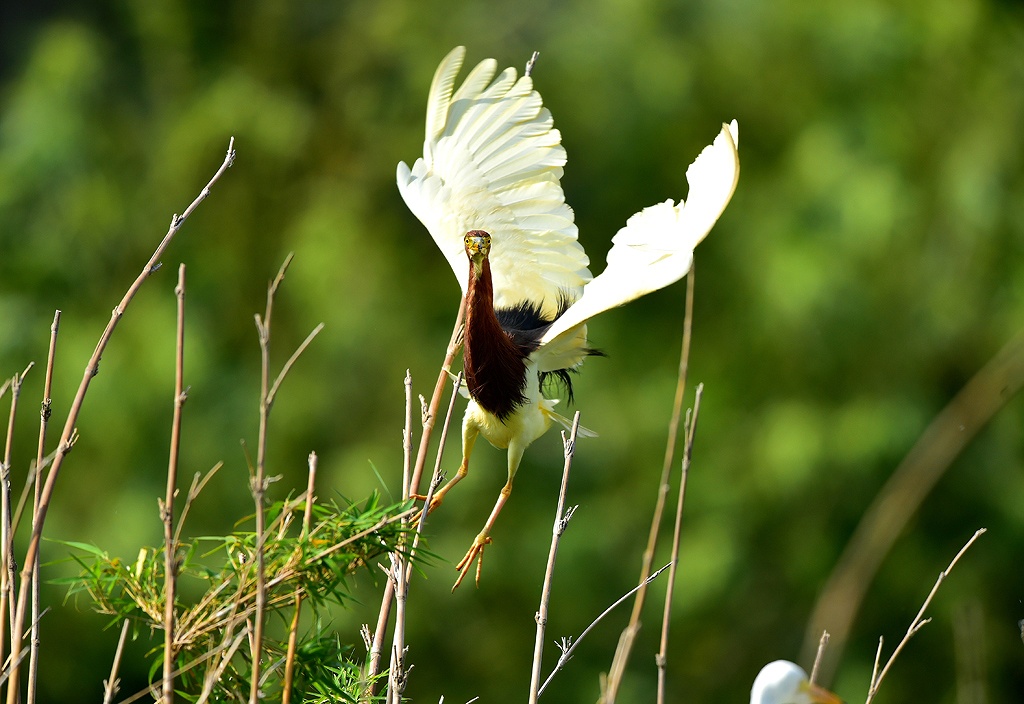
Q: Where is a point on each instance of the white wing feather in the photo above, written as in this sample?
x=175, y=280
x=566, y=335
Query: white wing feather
x=492, y=161
x=653, y=250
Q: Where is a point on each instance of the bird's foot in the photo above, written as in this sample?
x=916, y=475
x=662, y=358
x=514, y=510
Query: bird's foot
x=475, y=553
x=434, y=503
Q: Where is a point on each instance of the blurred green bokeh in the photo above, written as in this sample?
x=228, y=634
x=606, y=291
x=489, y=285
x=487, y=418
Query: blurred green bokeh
x=869, y=264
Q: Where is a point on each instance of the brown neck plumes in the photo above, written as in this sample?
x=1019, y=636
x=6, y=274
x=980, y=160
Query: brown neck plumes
x=494, y=366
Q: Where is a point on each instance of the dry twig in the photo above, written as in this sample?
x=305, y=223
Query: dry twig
x=562, y=518
x=818, y=656
x=905, y=490
x=167, y=508
x=626, y=639
x=44, y=420
x=112, y=684
x=293, y=630
x=400, y=573
x=662, y=655
x=917, y=624
x=8, y=569
x=259, y=481
x=373, y=664
x=568, y=645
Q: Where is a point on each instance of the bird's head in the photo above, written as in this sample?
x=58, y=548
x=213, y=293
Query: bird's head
x=478, y=247
x=783, y=682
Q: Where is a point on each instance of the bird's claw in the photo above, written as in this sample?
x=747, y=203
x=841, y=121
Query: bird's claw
x=434, y=503
x=475, y=553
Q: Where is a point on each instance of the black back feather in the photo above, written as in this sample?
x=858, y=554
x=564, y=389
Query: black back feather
x=525, y=325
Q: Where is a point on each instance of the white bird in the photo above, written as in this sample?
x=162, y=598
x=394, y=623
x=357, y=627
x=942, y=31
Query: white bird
x=784, y=682
x=487, y=189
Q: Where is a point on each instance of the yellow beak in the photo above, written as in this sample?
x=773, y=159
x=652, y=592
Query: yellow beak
x=821, y=696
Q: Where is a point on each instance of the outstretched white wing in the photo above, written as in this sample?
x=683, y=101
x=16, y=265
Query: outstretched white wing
x=655, y=248
x=492, y=161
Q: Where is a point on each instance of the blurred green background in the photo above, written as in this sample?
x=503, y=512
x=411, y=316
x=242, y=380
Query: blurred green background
x=869, y=264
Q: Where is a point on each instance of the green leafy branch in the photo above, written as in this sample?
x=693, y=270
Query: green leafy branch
x=218, y=572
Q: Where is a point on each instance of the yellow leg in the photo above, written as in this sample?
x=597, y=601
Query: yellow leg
x=469, y=435
x=483, y=538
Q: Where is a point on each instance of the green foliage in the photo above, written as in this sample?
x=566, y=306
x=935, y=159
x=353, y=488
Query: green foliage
x=217, y=600
x=327, y=672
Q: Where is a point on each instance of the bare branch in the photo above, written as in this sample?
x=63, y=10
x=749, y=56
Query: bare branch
x=531, y=63
x=293, y=630
x=918, y=622
x=662, y=656
x=561, y=521
x=112, y=684
x=291, y=362
x=8, y=568
x=991, y=388
x=625, y=645
x=376, y=653
x=571, y=644
x=45, y=410
x=167, y=508
x=817, y=658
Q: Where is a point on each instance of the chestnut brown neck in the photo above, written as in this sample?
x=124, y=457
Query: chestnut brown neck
x=494, y=366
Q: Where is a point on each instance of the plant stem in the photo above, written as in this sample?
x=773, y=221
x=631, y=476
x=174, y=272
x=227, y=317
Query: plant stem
x=8, y=568
x=377, y=644
x=407, y=439
x=989, y=390
x=400, y=573
x=569, y=645
x=167, y=510
x=918, y=622
x=293, y=630
x=625, y=645
x=562, y=518
x=662, y=657
x=44, y=420
x=268, y=393
x=259, y=482
x=818, y=656
x=110, y=687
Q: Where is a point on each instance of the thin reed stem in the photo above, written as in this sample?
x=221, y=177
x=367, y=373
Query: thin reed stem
x=917, y=624
x=822, y=644
x=376, y=653
x=45, y=410
x=562, y=518
x=396, y=570
x=8, y=569
x=407, y=438
x=198, y=483
x=662, y=657
x=293, y=629
x=435, y=477
x=259, y=483
x=629, y=633
x=454, y=344
x=167, y=509
x=568, y=645
x=401, y=565
x=946, y=436
x=111, y=685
